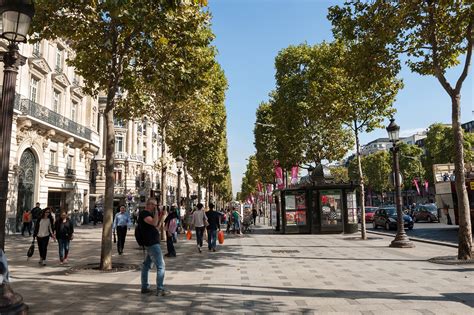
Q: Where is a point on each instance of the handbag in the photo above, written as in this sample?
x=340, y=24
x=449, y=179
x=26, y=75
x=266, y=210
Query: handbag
x=220, y=237
x=31, y=250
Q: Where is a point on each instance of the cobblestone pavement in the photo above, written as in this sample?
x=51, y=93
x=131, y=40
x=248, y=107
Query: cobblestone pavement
x=259, y=272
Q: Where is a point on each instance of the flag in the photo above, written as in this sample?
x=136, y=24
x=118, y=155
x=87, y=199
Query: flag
x=426, y=185
x=415, y=182
x=279, y=176
x=294, y=175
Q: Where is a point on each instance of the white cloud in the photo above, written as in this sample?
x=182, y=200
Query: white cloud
x=410, y=132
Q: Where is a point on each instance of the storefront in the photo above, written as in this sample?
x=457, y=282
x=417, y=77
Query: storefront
x=317, y=209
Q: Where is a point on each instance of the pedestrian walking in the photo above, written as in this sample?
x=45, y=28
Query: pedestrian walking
x=64, y=232
x=27, y=218
x=36, y=213
x=236, y=221
x=122, y=222
x=148, y=222
x=171, y=224
x=43, y=231
x=213, y=219
x=254, y=216
x=229, y=220
x=199, y=221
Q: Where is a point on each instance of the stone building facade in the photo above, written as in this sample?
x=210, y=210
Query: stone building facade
x=54, y=134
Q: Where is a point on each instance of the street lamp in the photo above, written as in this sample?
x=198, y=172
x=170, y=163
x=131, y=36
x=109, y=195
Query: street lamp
x=179, y=165
x=16, y=18
x=401, y=239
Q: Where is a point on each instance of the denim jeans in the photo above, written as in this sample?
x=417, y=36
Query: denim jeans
x=63, y=249
x=211, y=238
x=199, y=235
x=153, y=255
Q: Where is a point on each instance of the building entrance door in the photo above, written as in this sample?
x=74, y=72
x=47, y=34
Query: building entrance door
x=57, y=200
x=26, y=184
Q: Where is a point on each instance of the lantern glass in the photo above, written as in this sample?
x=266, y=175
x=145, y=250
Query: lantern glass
x=15, y=26
x=179, y=162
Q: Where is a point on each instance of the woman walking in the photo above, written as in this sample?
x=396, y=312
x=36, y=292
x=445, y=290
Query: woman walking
x=44, y=230
x=171, y=223
x=64, y=230
x=199, y=221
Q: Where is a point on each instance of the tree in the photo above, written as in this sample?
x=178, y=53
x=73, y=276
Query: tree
x=439, y=145
x=419, y=30
x=109, y=40
x=265, y=142
x=377, y=168
x=410, y=165
x=306, y=133
x=340, y=174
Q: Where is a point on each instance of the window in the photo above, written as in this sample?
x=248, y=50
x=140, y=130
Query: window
x=74, y=111
x=118, y=143
x=56, y=101
x=69, y=162
x=59, y=60
x=34, y=83
x=94, y=119
x=36, y=49
x=53, y=158
x=118, y=178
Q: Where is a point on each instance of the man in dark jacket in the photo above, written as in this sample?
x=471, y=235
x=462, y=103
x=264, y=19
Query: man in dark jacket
x=36, y=213
x=213, y=219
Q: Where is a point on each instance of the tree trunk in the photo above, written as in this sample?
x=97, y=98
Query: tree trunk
x=106, y=248
x=361, y=182
x=465, y=232
x=163, y=167
x=186, y=182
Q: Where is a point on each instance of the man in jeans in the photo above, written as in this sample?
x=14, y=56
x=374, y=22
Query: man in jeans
x=213, y=218
x=148, y=221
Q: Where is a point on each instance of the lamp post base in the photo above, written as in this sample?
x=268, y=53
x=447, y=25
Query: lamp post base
x=11, y=302
x=402, y=241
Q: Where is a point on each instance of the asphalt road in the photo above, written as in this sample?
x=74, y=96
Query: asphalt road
x=431, y=231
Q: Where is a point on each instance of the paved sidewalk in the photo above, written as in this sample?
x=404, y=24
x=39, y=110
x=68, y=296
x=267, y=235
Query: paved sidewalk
x=260, y=272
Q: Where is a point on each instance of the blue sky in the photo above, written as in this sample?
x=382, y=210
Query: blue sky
x=250, y=33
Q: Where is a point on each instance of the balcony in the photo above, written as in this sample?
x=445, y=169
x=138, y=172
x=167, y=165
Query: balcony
x=42, y=113
x=120, y=155
x=70, y=173
x=119, y=183
x=53, y=169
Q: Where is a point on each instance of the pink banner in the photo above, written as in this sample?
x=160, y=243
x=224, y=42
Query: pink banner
x=279, y=176
x=259, y=187
x=294, y=175
x=426, y=185
x=269, y=189
x=415, y=182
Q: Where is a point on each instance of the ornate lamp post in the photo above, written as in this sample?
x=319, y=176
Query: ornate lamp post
x=179, y=165
x=401, y=239
x=16, y=18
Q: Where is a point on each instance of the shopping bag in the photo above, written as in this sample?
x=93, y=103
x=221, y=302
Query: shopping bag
x=31, y=250
x=189, y=234
x=220, y=237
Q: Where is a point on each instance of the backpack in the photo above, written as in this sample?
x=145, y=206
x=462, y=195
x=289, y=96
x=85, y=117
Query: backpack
x=139, y=236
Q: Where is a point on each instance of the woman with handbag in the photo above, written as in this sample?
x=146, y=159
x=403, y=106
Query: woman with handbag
x=43, y=231
x=64, y=234
x=171, y=223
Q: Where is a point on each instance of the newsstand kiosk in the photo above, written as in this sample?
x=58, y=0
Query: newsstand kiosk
x=326, y=208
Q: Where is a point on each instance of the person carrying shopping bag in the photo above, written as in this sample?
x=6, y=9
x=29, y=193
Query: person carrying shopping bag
x=199, y=221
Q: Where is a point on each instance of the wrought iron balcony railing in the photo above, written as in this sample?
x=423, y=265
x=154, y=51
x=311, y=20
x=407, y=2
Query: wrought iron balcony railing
x=70, y=172
x=53, y=169
x=42, y=113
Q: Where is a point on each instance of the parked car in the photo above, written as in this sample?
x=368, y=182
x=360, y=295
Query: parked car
x=369, y=213
x=387, y=217
x=428, y=212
